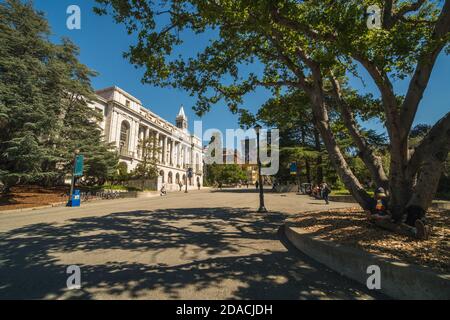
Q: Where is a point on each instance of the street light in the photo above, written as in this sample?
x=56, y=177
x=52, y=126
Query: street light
x=186, y=179
x=262, y=208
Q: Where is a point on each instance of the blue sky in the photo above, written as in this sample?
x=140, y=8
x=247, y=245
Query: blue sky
x=102, y=43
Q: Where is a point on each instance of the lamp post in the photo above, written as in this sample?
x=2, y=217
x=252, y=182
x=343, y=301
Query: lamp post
x=186, y=179
x=262, y=208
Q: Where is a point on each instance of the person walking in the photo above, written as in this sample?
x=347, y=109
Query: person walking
x=325, y=192
x=198, y=185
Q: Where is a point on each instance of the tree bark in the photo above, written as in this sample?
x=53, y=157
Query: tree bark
x=319, y=160
x=427, y=163
x=307, y=165
x=350, y=181
x=316, y=94
x=367, y=154
x=308, y=170
x=427, y=183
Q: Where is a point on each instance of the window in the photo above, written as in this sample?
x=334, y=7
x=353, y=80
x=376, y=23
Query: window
x=124, y=136
x=127, y=103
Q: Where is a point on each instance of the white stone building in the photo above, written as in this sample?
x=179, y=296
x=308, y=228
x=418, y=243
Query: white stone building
x=126, y=121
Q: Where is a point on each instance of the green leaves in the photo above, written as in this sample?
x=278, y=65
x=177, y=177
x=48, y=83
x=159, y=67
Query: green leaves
x=44, y=114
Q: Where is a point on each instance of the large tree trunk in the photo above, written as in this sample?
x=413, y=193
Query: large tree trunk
x=350, y=181
x=307, y=165
x=319, y=160
x=427, y=184
x=320, y=114
x=427, y=163
x=400, y=187
x=373, y=162
x=308, y=171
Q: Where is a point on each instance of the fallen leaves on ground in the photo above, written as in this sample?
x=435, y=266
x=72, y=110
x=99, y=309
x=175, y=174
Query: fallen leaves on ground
x=351, y=227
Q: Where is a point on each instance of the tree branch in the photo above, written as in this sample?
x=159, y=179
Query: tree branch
x=371, y=160
x=407, y=9
x=424, y=68
x=387, y=93
x=435, y=144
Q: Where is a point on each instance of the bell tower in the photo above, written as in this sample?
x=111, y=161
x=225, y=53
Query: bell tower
x=181, y=120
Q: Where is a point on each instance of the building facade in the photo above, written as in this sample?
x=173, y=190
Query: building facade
x=126, y=121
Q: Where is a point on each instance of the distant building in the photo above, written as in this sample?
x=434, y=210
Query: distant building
x=248, y=147
x=126, y=121
x=231, y=156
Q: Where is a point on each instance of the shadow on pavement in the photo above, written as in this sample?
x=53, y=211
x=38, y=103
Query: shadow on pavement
x=30, y=270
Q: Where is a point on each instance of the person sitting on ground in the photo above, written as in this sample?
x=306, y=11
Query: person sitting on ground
x=379, y=204
x=415, y=222
x=414, y=225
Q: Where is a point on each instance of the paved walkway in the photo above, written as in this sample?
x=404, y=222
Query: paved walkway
x=201, y=245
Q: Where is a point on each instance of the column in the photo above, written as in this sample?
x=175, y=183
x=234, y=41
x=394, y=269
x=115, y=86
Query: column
x=171, y=155
x=114, y=126
x=164, y=149
x=135, y=143
x=161, y=146
x=151, y=137
x=183, y=156
x=157, y=155
x=178, y=154
x=139, y=139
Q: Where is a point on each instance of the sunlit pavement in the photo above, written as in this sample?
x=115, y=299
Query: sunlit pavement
x=201, y=245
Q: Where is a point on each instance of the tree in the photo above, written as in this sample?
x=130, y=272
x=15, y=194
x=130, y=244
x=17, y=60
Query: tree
x=44, y=105
x=121, y=174
x=147, y=168
x=24, y=83
x=225, y=173
x=310, y=46
x=300, y=140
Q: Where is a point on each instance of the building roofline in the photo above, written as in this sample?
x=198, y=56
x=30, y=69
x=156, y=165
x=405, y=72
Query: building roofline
x=141, y=107
x=116, y=88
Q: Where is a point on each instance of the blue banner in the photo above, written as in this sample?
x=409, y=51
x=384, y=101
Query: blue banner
x=79, y=160
x=293, y=168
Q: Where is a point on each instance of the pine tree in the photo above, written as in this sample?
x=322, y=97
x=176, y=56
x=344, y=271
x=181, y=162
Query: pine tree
x=44, y=112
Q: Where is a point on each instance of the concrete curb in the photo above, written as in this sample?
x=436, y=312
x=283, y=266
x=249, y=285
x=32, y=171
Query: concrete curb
x=437, y=204
x=56, y=204
x=398, y=280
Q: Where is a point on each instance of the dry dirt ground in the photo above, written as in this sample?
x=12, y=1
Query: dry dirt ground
x=351, y=227
x=32, y=196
